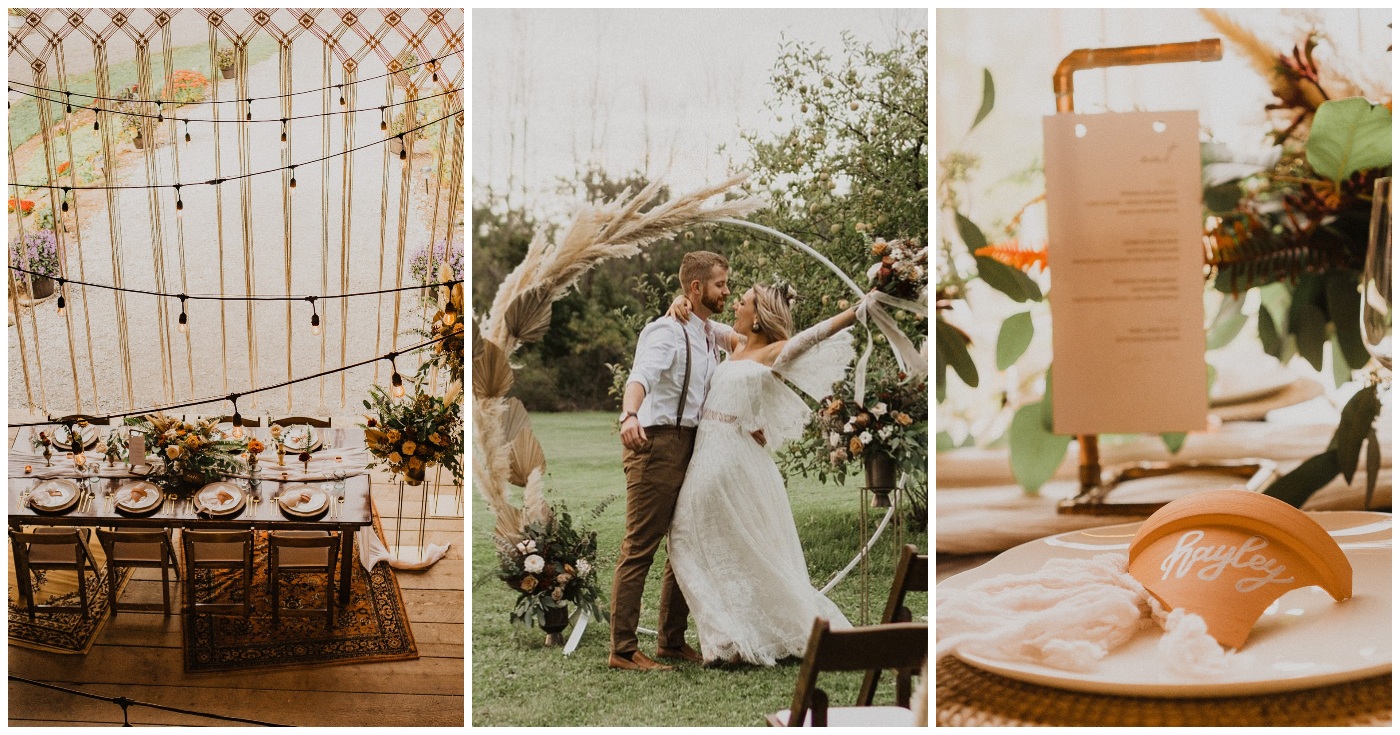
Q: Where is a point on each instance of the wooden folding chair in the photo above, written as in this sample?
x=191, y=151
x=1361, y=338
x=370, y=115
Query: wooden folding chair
x=306, y=420
x=46, y=548
x=910, y=575
x=302, y=551
x=899, y=646
x=218, y=550
x=139, y=549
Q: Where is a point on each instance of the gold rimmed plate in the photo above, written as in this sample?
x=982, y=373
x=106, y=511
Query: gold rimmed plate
x=303, y=501
x=301, y=438
x=220, y=499
x=61, y=440
x=137, y=497
x=54, y=496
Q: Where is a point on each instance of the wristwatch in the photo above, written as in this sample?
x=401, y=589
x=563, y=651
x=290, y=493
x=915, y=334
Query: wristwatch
x=622, y=418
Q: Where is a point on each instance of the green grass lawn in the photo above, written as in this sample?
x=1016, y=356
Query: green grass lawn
x=516, y=680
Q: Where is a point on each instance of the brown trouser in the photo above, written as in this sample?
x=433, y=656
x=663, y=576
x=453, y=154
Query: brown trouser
x=654, y=476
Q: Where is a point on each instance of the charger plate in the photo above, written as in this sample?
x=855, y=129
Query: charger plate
x=1303, y=640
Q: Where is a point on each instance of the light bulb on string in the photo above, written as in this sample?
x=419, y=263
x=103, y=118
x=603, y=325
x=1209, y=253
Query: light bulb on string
x=293, y=182
x=64, y=197
x=403, y=148
x=160, y=116
x=342, y=94
x=284, y=130
x=250, y=109
x=237, y=417
x=395, y=380
x=179, y=203
x=187, y=131
x=315, y=318
x=96, y=123
x=70, y=101
x=61, y=301
x=435, y=67
x=184, y=320
x=383, y=120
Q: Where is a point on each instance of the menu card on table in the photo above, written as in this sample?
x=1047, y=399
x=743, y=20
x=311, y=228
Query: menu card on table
x=1123, y=193
x=136, y=450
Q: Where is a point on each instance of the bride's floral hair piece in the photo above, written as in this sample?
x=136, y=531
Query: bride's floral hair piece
x=773, y=309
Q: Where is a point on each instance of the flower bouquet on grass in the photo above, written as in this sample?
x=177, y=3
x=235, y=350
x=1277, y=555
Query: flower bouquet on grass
x=193, y=454
x=551, y=567
x=408, y=435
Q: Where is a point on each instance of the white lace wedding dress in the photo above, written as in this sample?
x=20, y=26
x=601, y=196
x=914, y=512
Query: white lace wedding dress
x=733, y=542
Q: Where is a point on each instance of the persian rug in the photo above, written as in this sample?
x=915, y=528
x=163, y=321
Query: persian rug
x=61, y=632
x=373, y=626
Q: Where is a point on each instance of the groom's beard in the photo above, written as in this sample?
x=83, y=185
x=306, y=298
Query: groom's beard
x=714, y=303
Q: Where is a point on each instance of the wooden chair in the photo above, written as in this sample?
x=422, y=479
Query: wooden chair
x=910, y=575
x=302, y=551
x=242, y=420
x=139, y=549
x=93, y=420
x=899, y=646
x=45, y=548
x=218, y=550
x=307, y=420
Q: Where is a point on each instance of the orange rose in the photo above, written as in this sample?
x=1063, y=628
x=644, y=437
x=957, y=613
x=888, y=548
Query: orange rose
x=529, y=583
x=856, y=446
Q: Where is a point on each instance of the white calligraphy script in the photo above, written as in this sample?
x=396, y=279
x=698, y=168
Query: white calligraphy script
x=1216, y=559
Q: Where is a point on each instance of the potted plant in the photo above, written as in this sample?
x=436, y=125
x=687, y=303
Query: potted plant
x=401, y=64
x=552, y=565
x=41, y=247
x=224, y=58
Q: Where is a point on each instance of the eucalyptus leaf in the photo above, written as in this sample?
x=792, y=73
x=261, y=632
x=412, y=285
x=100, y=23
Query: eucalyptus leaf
x=1227, y=323
x=1174, y=441
x=1035, y=452
x=1014, y=338
x=1344, y=311
x=1373, y=465
x=1008, y=280
x=1358, y=415
x=1311, y=331
x=942, y=373
x=952, y=344
x=988, y=98
x=1276, y=298
x=970, y=233
x=1297, y=486
x=1268, y=334
x=1047, y=403
x=1347, y=136
x=944, y=442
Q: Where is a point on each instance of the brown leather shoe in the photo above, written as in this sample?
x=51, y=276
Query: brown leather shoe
x=684, y=653
x=639, y=662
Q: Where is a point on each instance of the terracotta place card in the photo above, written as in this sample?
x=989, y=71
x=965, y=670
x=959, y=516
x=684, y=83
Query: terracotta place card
x=1226, y=555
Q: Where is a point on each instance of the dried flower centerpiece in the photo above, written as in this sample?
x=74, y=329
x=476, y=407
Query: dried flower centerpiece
x=900, y=268
x=409, y=435
x=193, y=454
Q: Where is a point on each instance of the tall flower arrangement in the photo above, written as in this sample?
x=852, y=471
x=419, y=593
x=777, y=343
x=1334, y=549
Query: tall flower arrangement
x=551, y=566
x=192, y=454
x=407, y=436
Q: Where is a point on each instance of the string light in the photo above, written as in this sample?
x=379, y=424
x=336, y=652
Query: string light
x=293, y=182
x=250, y=109
x=249, y=297
x=315, y=318
x=64, y=197
x=395, y=380
x=435, y=68
x=383, y=119
x=187, y=131
x=216, y=399
x=96, y=124
x=184, y=320
x=227, y=101
x=160, y=115
x=403, y=148
x=61, y=300
x=237, y=417
x=179, y=203
x=342, y=94
x=70, y=102
x=284, y=130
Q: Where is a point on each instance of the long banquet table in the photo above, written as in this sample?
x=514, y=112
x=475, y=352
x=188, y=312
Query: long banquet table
x=353, y=514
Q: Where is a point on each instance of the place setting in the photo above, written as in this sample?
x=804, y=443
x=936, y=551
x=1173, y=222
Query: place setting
x=137, y=499
x=303, y=502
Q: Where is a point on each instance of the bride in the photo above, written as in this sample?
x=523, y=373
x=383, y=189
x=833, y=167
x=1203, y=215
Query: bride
x=733, y=542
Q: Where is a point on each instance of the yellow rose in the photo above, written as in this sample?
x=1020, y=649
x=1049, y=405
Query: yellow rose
x=529, y=583
x=415, y=463
x=856, y=446
x=276, y=431
x=395, y=458
x=408, y=447
x=903, y=419
x=437, y=439
x=393, y=435
x=173, y=451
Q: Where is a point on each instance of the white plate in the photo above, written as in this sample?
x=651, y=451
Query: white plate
x=87, y=433
x=1262, y=380
x=1305, y=639
x=292, y=500
x=220, y=497
x=297, y=436
x=137, y=496
x=53, y=495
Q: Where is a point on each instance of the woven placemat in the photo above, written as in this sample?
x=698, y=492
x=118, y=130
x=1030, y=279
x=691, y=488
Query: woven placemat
x=966, y=696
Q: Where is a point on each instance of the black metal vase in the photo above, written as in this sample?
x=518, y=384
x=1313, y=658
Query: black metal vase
x=556, y=619
x=880, y=472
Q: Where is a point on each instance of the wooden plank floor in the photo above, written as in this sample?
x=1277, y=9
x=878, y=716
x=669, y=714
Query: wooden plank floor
x=139, y=656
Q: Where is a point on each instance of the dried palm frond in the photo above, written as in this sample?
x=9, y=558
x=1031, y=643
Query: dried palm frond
x=526, y=457
x=493, y=469
x=527, y=319
x=492, y=375
x=515, y=418
x=537, y=509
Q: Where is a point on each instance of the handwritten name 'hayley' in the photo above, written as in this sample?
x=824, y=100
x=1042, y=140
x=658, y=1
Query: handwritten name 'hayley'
x=1217, y=559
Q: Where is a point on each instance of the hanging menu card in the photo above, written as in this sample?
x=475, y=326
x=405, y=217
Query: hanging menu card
x=1123, y=193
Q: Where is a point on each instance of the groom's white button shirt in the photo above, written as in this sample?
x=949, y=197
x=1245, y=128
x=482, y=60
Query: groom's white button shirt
x=659, y=366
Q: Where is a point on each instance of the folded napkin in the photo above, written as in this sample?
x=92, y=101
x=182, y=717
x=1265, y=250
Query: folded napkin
x=355, y=461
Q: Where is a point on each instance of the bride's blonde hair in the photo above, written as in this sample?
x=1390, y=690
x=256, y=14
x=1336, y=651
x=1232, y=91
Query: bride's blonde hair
x=773, y=310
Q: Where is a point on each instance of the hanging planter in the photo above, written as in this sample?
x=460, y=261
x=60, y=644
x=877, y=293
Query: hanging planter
x=879, y=478
x=139, y=142
x=224, y=59
x=227, y=71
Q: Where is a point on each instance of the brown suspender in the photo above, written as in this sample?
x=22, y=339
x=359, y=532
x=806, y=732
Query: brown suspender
x=685, y=383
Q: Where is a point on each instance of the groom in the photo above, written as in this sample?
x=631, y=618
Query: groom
x=660, y=411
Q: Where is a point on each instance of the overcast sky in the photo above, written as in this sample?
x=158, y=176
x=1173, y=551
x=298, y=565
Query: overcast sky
x=575, y=85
